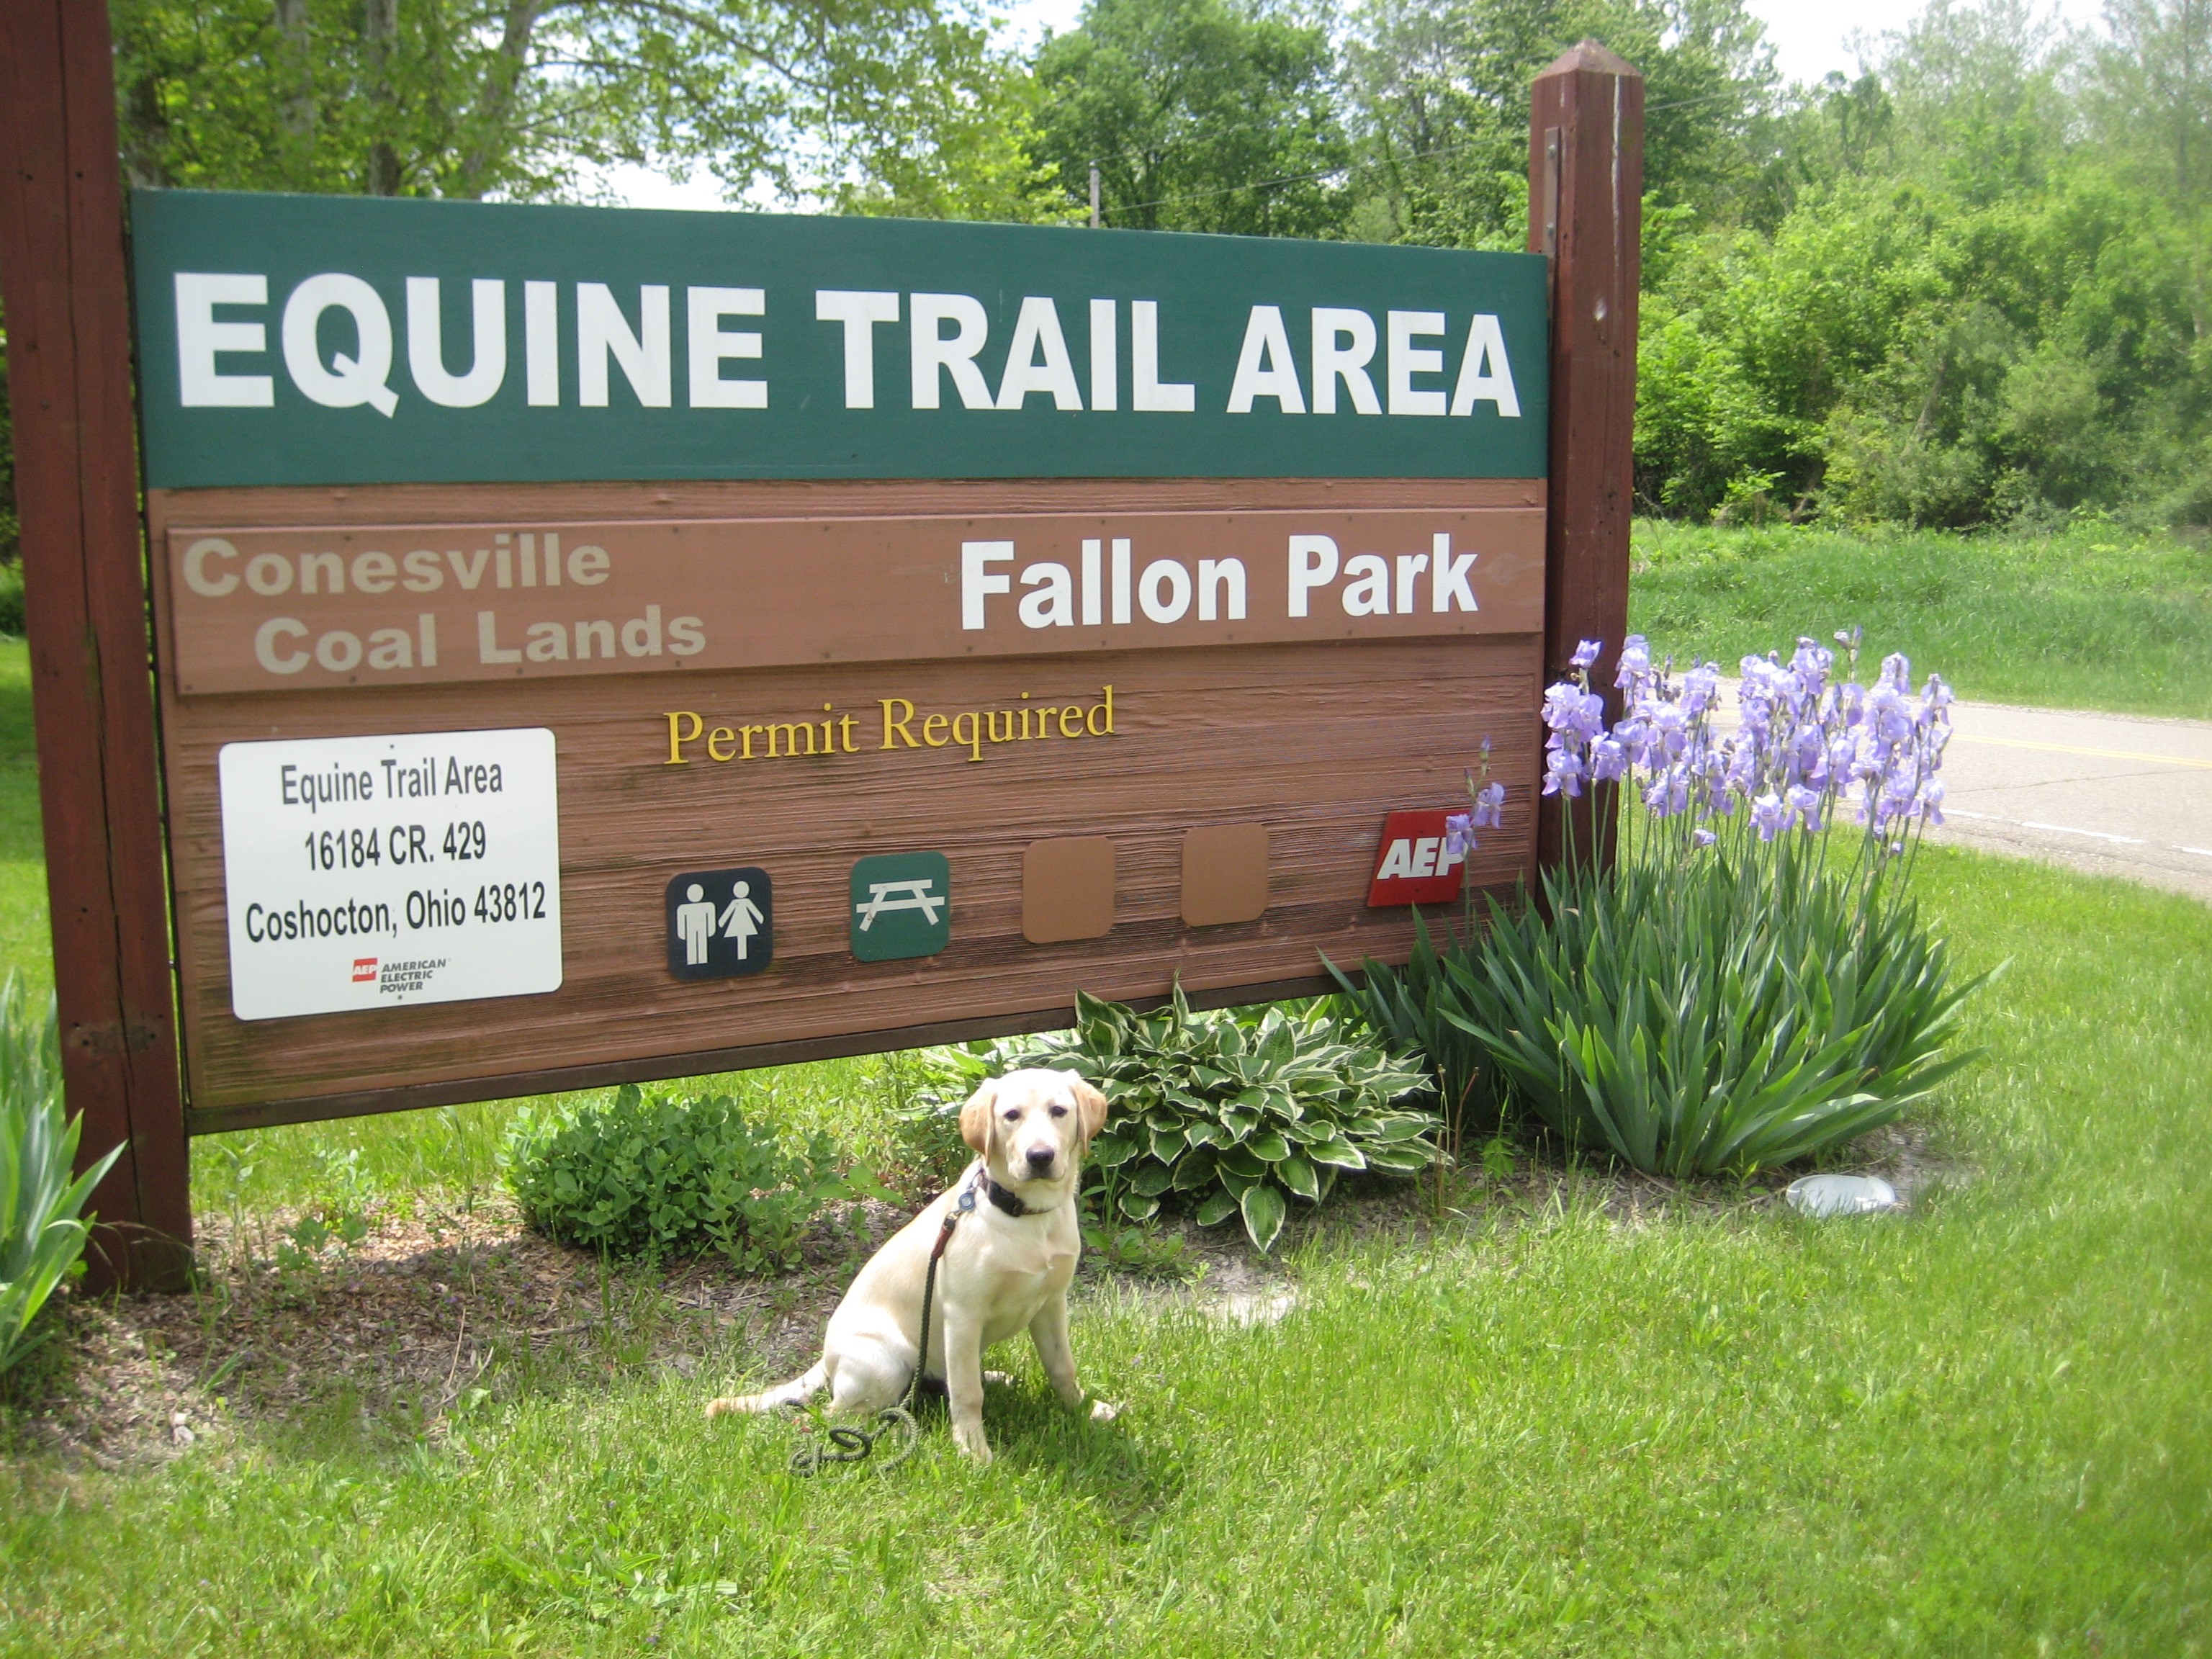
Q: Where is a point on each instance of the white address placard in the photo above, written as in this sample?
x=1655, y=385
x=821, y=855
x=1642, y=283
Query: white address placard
x=373, y=872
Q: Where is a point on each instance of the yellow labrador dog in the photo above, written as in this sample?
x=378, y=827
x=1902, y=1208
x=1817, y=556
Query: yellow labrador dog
x=1007, y=1268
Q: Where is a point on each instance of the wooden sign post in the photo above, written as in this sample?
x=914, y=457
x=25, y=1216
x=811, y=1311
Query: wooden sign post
x=67, y=310
x=592, y=646
x=1586, y=213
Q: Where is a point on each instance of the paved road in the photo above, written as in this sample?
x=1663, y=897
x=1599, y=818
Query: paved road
x=2116, y=794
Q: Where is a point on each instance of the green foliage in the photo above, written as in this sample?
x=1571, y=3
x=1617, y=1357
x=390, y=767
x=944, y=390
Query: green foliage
x=42, y=1227
x=1405, y=1010
x=1441, y=99
x=654, y=1177
x=1973, y=290
x=471, y=98
x=1716, y=1015
x=2094, y=617
x=1198, y=114
x=1233, y=1113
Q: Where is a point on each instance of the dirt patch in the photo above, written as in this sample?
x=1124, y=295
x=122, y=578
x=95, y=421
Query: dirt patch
x=401, y=1328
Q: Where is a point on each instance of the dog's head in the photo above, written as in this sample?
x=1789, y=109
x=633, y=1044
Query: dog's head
x=1032, y=1126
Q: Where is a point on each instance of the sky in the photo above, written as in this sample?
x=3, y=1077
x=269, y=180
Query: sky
x=1810, y=37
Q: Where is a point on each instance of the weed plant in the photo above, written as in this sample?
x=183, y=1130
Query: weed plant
x=656, y=1177
x=42, y=1225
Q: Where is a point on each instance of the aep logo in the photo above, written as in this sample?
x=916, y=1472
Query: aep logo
x=1411, y=866
x=364, y=970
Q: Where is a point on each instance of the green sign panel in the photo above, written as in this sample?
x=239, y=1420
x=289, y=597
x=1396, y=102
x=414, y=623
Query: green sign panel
x=341, y=340
x=902, y=906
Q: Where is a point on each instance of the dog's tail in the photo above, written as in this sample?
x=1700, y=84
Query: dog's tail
x=796, y=1392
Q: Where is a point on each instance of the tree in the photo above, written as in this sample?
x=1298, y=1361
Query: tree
x=521, y=98
x=1441, y=88
x=2152, y=97
x=1199, y=115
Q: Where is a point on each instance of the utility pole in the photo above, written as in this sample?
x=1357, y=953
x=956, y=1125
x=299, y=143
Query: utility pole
x=1094, y=196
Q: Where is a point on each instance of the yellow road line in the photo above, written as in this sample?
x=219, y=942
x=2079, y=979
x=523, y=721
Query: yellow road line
x=2070, y=749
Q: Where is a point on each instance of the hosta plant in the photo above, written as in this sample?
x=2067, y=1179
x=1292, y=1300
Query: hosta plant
x=1237, y=1114
x=42, y=1225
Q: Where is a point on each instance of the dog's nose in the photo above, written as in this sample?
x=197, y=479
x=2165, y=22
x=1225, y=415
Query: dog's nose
x=1041, y=1158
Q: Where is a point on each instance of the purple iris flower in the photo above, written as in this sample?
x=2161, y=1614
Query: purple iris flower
x=1563, y=774
x=1635, y=663
x=1769, y=816
x=1489, y=806
x=1561, y=701
x=1699, y=687
x=1587, y=652
x=1804, y=805
x=1703, y=837
x=1459, y=836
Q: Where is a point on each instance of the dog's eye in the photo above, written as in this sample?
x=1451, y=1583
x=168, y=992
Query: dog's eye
x=1014, y=1117
x=1059, y=1111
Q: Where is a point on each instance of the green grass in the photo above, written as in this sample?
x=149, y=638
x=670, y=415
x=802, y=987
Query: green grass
x=1977, y=1430
x=26, y=940
x=2096, y=618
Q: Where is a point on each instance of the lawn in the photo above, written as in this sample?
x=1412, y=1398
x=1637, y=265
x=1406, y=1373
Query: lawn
x=1537, y=1429
x=2095, y=617
x=1541, y=1424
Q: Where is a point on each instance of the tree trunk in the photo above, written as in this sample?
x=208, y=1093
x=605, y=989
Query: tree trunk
x=295, y=111
x=379, y=31
x=497, y=106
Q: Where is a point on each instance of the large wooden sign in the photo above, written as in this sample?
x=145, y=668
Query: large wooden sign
x=594, y=645
x=786, y=545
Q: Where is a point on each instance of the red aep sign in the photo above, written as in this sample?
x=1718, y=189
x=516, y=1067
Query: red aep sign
x=1411, y=866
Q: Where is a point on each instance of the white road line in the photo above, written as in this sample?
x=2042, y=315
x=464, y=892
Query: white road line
x=2201, y=852
x=2067, y=830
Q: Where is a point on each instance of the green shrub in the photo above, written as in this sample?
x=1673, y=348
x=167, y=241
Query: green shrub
x=654, y=1176
x=1697, y=1019
x=1234, y=1112
x=11, y=586
x=42, y=1230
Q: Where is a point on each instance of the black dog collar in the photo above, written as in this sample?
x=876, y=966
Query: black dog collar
x=1005, y=1198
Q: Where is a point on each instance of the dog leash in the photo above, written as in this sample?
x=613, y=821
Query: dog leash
x=850, y=1445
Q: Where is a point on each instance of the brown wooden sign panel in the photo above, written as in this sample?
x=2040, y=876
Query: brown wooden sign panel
x=297, y=610
x=805, y=766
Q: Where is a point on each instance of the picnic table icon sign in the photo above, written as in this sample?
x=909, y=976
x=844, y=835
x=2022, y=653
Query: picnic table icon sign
x=902, y=906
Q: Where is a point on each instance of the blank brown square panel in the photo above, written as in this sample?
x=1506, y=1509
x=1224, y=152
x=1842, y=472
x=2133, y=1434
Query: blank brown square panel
x=1068, y=889
x=1224, y=874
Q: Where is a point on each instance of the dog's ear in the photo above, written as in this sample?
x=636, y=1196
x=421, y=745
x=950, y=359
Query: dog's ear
x=976, y=1117
x=1093, y=1105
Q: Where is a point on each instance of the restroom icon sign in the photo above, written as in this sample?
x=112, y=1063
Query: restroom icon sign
x=722, y=923
x=902, y=906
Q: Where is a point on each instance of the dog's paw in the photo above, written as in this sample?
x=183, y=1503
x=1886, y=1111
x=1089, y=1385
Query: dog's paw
x=968, y=1438
x=724, y=1406
x=1103, y=1411
x=1001, y=1378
